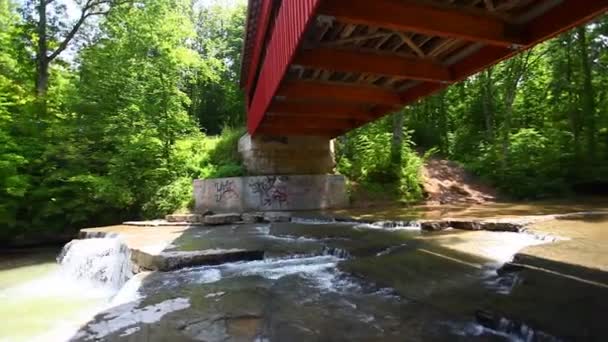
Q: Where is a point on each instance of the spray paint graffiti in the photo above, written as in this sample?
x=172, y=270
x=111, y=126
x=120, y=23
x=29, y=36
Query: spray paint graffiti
x=270, y=191
x=225, y=190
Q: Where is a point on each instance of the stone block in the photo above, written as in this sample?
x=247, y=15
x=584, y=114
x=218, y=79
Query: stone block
x=252, y=217
x=270, y=193
x=218, y=219
x=172, y=260
x=274, y=216
x=190, y=218
x=287, y=155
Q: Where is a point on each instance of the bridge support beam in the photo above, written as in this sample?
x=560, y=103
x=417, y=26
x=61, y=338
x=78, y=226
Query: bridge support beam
x=287, y=155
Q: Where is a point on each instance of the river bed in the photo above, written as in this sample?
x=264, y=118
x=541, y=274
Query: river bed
x=317, y=281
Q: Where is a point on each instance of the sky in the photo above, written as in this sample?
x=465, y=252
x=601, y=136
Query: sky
x=73, y=12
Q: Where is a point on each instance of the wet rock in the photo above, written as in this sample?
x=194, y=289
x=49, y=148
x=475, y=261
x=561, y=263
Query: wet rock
x=166, y=261
x=252, y=217
x=502, y=226
x=434, y=225
x=517, y=330
x=465, y=224
x=509, y=268
x=394, y=224
x=487, y=319
x=219, y=219
x=277, y=216
x=191, y=218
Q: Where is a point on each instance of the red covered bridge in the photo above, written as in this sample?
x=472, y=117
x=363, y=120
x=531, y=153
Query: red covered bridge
x=324, y=67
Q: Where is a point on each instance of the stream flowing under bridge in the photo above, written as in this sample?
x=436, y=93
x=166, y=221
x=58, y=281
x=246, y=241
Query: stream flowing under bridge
x=324, y=67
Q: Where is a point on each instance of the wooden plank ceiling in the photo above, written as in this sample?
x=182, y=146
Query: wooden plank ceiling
x=362, y=59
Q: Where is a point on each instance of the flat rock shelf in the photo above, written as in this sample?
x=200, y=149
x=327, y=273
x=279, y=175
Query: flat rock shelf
x=302, y=277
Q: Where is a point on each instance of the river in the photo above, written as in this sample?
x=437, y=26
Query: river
x=317, y=281
x=45, y=300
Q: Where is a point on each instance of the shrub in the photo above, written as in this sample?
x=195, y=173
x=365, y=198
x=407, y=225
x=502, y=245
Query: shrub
x=366, y=156
x=530, y=168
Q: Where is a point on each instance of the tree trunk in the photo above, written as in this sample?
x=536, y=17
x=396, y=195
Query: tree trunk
x=573, y=114
x=443, y=124
x=42, y=61
x=517, y=68
x=488, y=103
x=397, y=142
x=588, y=104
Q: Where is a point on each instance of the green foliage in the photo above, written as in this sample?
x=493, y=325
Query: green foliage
x=531, y=157
x=220, y=42
x=365, y=155
x=118, y=134
x=534, y=125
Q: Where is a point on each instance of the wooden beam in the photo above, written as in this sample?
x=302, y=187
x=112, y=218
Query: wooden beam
x=314, y=108
x=338, y=92
x=299, y=122
x=314, y=117
x=563, y=17
x=479, y=60
x=285, y=130
x=318, y=110
x=411, y=16
x=372, y=63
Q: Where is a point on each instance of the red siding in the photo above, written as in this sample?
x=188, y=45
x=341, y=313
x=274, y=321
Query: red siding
x=290, y=24
x=265, y=9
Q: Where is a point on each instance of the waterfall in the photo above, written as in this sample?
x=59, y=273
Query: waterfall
x=105, y=262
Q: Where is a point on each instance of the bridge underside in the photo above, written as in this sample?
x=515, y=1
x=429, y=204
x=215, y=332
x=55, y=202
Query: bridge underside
x=332, y=65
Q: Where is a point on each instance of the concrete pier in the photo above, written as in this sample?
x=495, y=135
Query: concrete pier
x=270, y=193
x=287, y=155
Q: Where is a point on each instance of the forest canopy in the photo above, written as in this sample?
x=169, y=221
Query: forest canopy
x=108, y=110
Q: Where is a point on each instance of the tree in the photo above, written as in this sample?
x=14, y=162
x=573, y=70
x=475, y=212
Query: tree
x=588, y=100
x=44, y=56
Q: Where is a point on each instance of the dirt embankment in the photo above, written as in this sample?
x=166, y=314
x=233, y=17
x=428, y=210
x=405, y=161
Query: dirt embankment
x=445, y=182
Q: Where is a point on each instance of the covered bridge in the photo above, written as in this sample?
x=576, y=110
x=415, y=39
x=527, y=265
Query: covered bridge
x=324, y=67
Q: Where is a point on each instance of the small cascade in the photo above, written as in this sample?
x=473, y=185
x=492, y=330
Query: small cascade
x=309, y=220
x=337, y=252
x=514, y=330
x=105, y=262
x=393, y=225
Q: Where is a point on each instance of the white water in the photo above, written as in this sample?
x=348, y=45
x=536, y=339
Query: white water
x=92, y=275
x=391, y=225
x=103, y=262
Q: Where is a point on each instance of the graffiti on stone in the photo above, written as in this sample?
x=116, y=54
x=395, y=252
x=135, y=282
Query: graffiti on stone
x=271, y=190
x=225, y=190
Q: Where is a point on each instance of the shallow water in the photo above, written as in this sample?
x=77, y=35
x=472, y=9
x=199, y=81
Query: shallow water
x=342, y=281
x=318, y=281
x=43, y=300
x=485, y=210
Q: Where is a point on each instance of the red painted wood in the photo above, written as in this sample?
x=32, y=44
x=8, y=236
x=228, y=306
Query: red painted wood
x=291, y=22
x=567, y=15
x=373, y=63
x=413, y=16
x=313, y=91
x=264, y=19
x=294, y=17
